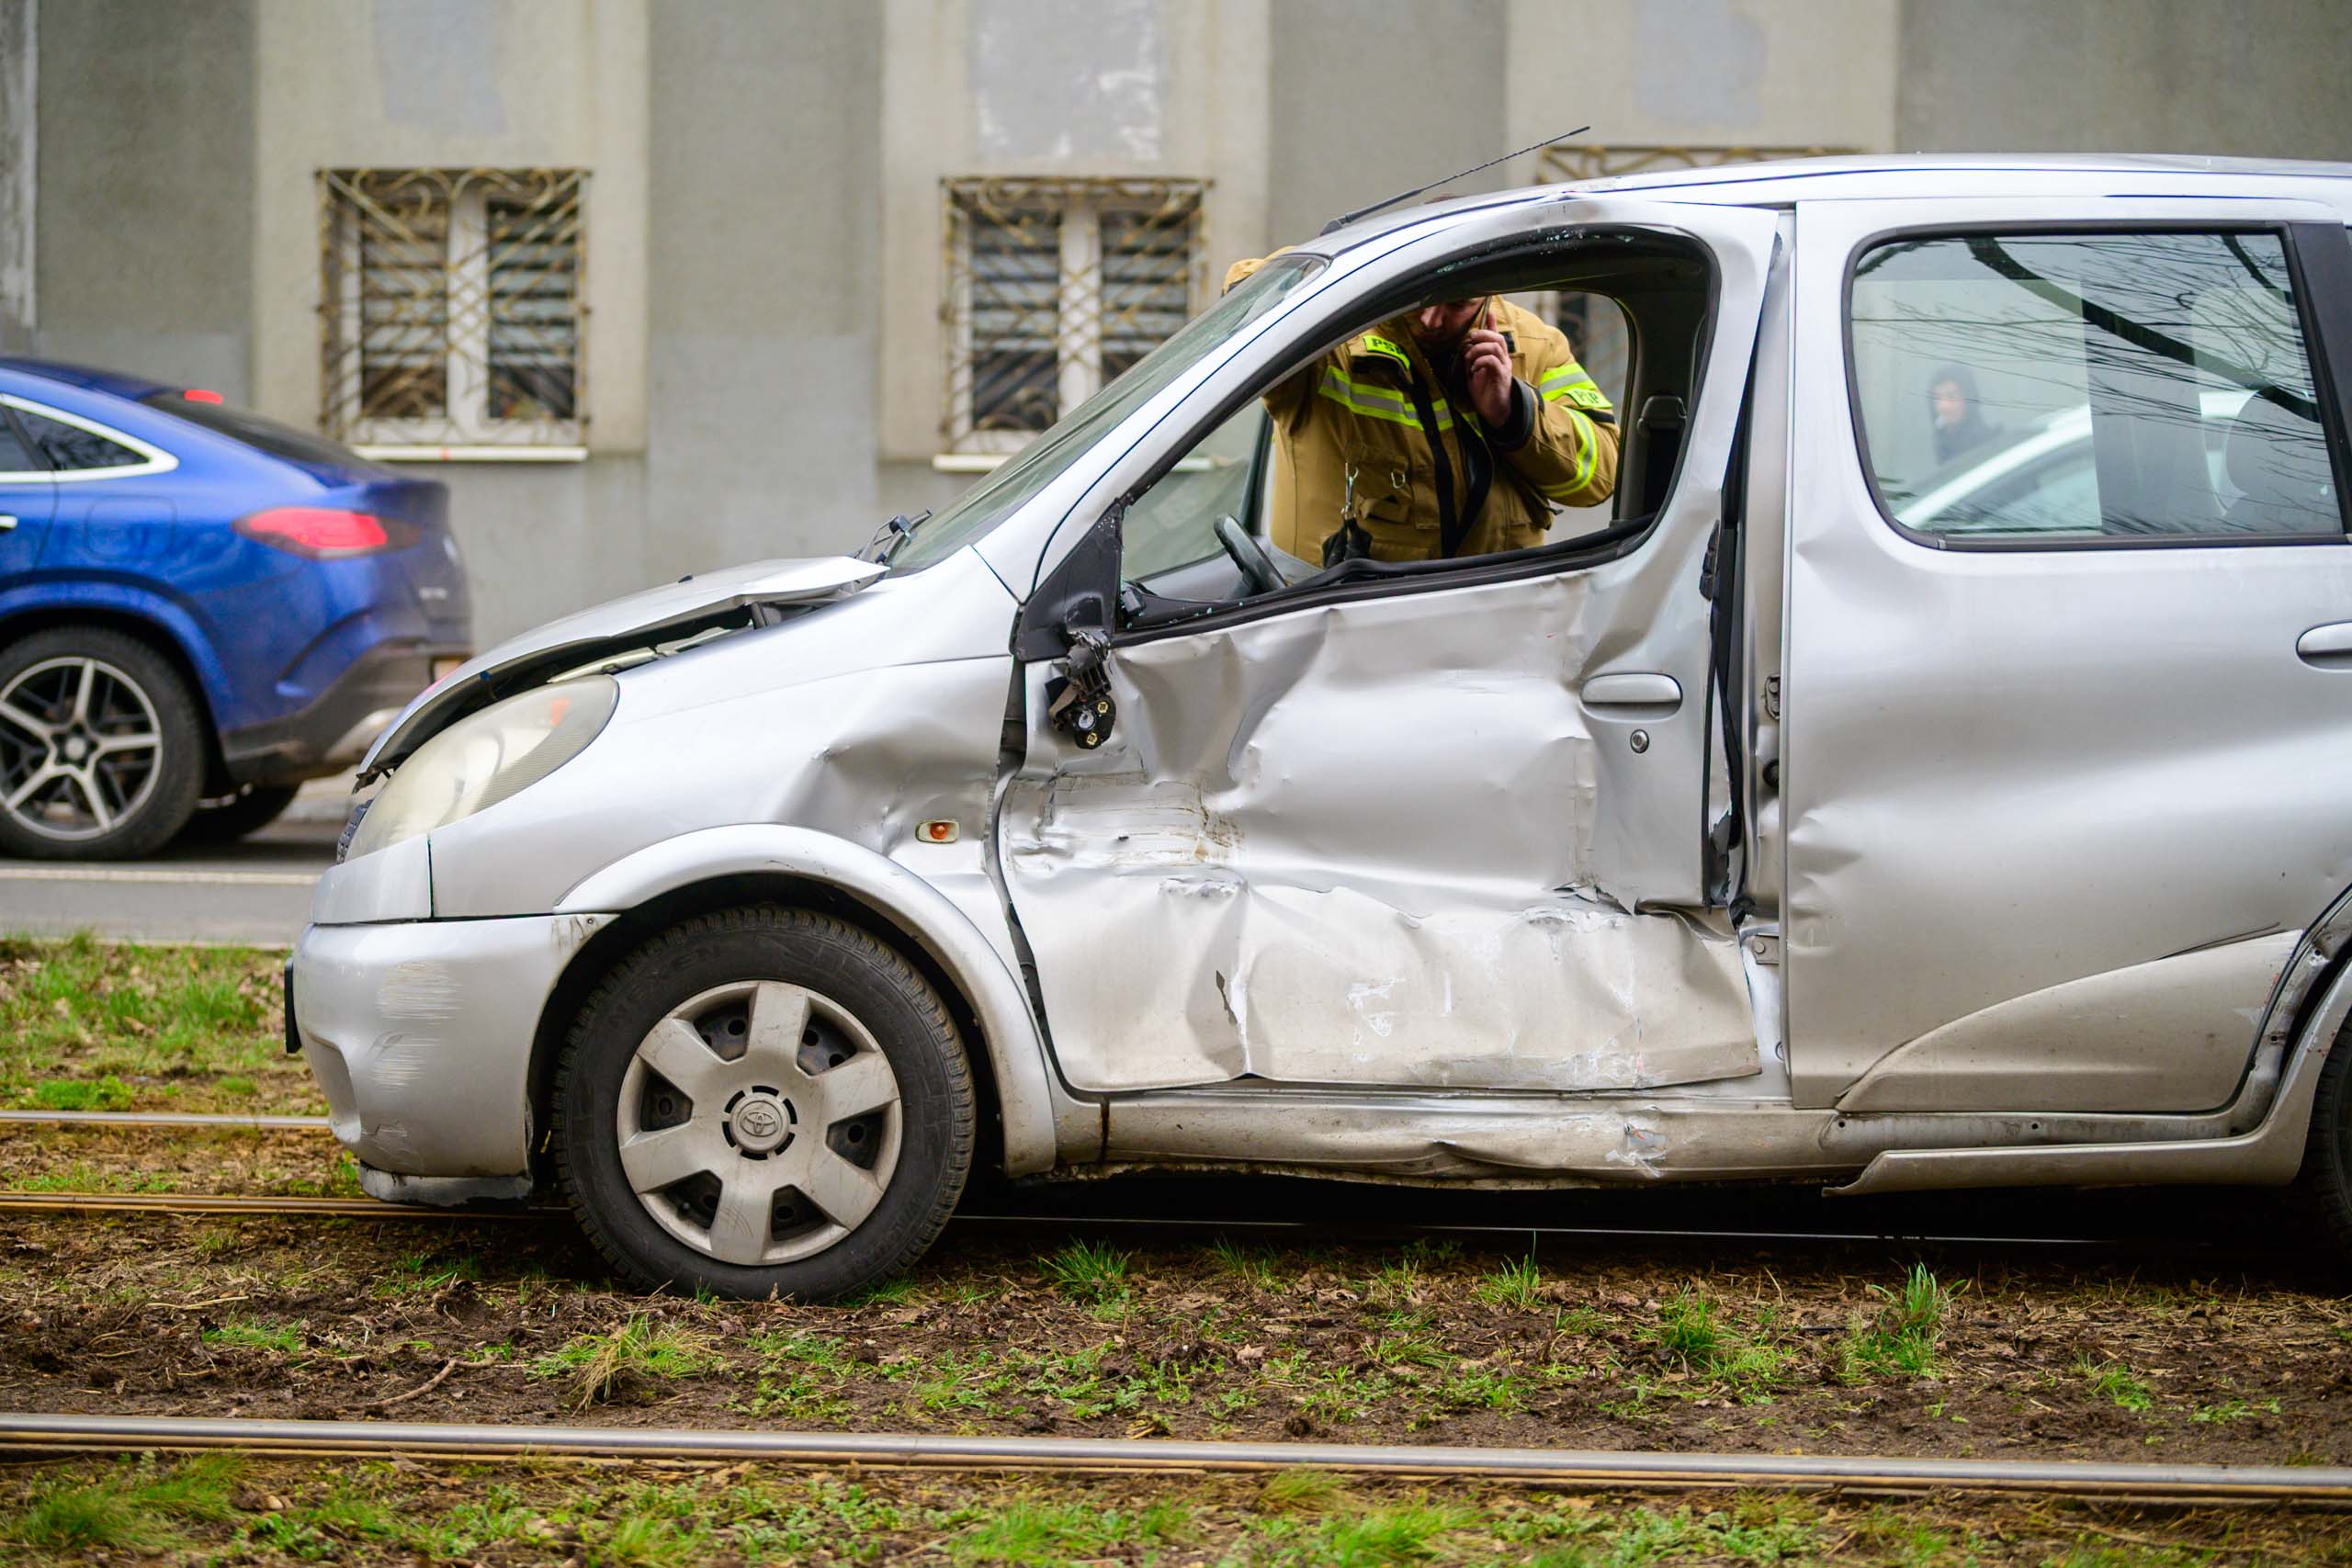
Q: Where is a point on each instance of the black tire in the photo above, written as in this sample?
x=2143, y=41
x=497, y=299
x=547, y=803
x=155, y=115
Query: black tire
x=158, y=809
x=888, y=995
x=2324, y=1182
x=249, y=811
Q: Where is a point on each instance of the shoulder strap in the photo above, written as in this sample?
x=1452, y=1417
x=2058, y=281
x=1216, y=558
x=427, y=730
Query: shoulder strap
x=1450, y=531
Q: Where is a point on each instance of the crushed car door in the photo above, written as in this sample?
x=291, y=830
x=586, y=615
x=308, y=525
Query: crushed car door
x=2064, y=703
x=1443, y=831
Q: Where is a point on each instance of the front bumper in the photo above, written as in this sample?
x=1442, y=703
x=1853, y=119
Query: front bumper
x=420, y=1035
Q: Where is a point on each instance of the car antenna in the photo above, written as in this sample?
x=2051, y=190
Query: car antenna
x=1345, y=219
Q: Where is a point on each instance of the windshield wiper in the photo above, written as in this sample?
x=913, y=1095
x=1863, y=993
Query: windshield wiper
x=891, y=535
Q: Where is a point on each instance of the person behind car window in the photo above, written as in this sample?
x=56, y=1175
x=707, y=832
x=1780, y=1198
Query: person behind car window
x=1959, y=425
x=1452, y=430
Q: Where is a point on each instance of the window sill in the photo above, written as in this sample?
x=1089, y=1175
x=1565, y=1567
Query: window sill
x=408, y=454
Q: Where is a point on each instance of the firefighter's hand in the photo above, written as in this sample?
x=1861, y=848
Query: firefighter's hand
x=1486, y=364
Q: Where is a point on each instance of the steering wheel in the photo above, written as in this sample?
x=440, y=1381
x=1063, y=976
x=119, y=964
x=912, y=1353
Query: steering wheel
x=1257, y=569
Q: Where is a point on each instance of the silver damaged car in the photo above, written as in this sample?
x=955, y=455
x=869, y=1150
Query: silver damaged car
x=1932, y=768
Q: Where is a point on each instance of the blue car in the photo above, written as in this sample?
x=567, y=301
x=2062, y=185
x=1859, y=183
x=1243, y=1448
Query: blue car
x=200, y=609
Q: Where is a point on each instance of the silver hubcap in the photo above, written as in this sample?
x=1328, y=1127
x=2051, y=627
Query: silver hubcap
x=759, y=1122
x=80, y=748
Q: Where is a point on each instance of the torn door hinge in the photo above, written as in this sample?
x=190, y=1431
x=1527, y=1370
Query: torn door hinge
x=1772, y=696
x=1763, y=944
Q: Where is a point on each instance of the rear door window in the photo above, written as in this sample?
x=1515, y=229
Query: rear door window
x=2065, y=388
x=73, y=447
x=18, y=460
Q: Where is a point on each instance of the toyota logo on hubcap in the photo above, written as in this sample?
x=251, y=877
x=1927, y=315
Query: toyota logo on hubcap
x=761, y=1124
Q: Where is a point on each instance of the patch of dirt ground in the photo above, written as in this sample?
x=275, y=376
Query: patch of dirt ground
x=1721, y=1345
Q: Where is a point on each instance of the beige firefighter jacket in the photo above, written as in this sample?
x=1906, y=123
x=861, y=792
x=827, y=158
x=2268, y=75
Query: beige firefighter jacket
x=1354, y=411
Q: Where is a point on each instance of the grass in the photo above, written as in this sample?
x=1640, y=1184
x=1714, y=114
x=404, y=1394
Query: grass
x=1041, y=1532
x=82, y=1176
x=2229, y=1410
x=1515, y=1287
x=799, y=1374
x=2114, y=1380
x=1905, y=1334
x=92, y=1026
x=132, y=1505
x=226, y=1509
x=644, y=1350
x=419, y=1273
x=1252, y=1266
x=108, y=1093
x=1092, y=1273
x=283, y=1337
x=1691, y=1336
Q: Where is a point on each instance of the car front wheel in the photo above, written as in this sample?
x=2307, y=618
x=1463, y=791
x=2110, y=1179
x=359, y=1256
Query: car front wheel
x=101, y=753
x=764, y=1100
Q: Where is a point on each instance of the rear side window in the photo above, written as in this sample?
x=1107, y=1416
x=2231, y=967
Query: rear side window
x=69, y=446
x=16, y=457
x=2065, y=388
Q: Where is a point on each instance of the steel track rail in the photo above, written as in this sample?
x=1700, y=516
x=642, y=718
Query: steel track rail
x=51, y=1435
x=222, y=1204
x=160, y=1119
x=371, y=1209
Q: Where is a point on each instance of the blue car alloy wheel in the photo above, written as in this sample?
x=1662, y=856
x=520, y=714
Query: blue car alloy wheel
x=100, y=752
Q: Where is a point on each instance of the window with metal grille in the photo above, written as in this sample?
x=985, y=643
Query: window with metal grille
x=1055, y=287
x=451, y=309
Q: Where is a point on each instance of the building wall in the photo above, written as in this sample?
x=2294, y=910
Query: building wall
x=145, y=200
x=1704, y=72
x=19, y=153
x=765, y=249
x=1353, y=82
x=2258, y=78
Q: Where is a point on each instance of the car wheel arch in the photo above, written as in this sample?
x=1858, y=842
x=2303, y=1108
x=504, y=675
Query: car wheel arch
x=165, y=640
x=1016, y=1122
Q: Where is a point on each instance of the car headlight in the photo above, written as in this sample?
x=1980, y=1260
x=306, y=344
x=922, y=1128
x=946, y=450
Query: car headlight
x=484, y=758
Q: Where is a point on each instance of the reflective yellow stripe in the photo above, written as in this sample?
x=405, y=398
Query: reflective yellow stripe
x=1588, y=461
x=1591, y=458
x=1378, y=402
x=1570, y=384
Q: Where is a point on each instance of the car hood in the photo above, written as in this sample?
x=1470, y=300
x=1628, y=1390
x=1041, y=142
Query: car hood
x=735, y=598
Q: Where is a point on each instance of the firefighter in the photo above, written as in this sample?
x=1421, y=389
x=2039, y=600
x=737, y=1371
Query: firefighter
x=1519, y=430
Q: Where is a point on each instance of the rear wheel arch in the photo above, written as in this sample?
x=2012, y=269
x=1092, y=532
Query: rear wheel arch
x=167, y=645
x=630, y=931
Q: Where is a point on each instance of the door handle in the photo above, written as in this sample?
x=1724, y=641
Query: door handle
x=2328, y=647
x=1642, y=696
x=7, y=522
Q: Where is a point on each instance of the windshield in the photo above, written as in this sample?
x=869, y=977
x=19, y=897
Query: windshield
x=1003, y=492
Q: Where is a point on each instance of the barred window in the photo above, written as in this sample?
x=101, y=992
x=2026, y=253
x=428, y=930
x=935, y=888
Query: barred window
x=451, y=307
x=1055, y=287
